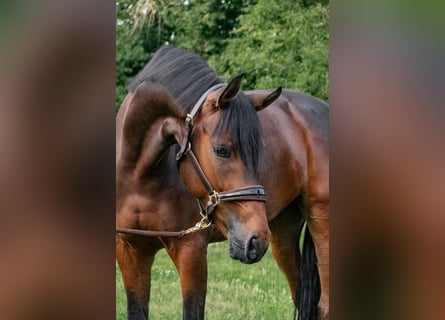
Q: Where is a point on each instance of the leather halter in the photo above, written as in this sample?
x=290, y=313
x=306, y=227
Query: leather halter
x=248, y=193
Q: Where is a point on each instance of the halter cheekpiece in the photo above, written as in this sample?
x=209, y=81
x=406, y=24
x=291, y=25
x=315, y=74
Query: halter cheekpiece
x=248, y=193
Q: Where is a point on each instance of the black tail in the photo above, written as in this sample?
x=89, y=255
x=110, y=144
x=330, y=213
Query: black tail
x=308, y=287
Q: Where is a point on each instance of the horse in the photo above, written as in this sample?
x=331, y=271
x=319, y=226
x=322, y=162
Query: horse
x=196, y=154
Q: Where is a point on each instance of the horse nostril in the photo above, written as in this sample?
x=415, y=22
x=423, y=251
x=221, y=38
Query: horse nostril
x=253, y=249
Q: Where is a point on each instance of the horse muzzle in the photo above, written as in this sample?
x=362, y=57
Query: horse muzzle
x=248, y=251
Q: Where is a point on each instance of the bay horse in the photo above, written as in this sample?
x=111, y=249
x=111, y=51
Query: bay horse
x=194, y=151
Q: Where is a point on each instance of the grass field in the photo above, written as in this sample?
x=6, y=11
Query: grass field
x=234, y=290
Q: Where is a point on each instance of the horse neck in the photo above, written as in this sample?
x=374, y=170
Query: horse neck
x=148, y=124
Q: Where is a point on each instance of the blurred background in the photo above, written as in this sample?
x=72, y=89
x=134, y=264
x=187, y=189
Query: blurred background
x=57, y=96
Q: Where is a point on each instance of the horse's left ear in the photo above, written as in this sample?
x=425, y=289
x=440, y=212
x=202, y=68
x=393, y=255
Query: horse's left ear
x=261, y=101
x=230, y=91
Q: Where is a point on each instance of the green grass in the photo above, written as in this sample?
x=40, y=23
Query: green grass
x=234, y=290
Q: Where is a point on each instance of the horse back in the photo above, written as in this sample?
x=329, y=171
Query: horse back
x=312, y=112
x=296, y=138
x=311, y=117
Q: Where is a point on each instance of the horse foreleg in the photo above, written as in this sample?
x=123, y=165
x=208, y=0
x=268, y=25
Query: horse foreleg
x=189, y=257
x=318, y=224
x=284, y=243
x=135, y=265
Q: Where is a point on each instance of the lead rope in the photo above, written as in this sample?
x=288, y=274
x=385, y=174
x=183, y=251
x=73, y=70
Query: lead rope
x=204, y=223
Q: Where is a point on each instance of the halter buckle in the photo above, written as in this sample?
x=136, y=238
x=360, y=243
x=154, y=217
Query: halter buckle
x=189, y=119
x=214, y=198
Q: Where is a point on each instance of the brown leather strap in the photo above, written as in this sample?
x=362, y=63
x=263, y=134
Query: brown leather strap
x=171, y=234
x=185, y=145
x=200, y=172
x=249, y=193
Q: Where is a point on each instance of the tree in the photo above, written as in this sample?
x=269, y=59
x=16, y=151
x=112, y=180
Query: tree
x=275, y=42
x=204, y=26
x=280, y=43
x=145, y=25
x=130, y=53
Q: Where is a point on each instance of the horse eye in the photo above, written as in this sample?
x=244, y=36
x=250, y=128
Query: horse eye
x=222, y=151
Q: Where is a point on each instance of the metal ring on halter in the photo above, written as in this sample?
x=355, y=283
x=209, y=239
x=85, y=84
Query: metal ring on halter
x=214, y=198
x=189, y=117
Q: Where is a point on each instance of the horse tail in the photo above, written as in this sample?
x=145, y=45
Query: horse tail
x=308, y=284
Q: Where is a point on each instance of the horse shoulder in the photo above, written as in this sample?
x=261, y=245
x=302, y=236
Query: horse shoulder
x=313, y=115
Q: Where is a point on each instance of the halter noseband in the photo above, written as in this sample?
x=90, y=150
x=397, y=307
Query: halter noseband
x=248, y=193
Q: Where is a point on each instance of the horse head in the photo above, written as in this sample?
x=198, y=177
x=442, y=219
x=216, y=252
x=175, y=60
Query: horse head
x=225, y=146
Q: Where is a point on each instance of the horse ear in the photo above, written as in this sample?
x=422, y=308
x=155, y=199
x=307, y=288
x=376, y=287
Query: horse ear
x=262, y=101
x=173, y=129
x=230, y=91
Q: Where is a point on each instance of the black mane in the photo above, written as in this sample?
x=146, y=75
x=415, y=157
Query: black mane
x=186, y=76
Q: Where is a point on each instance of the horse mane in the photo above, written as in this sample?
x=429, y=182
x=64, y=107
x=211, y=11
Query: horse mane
x=186, y=76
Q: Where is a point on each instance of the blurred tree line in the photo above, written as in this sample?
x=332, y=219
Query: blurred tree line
x=276, y=43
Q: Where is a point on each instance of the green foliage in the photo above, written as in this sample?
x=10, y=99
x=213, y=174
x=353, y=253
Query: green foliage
x=277, y=43
x=130, y=58
x=130, y=53
x=204, y=26
x=280, y=44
